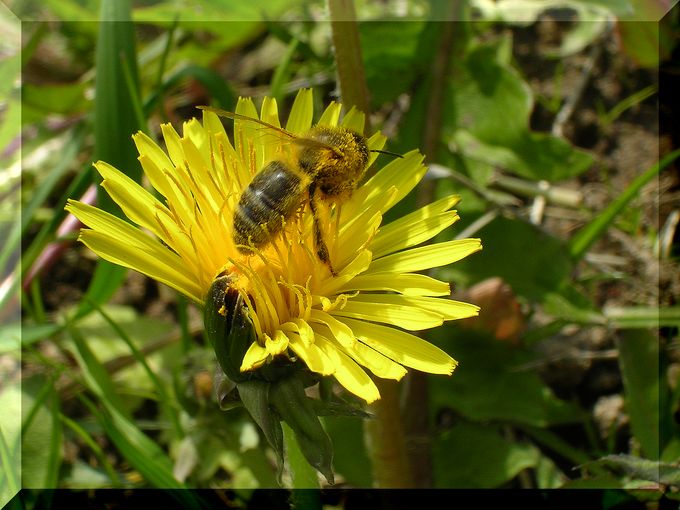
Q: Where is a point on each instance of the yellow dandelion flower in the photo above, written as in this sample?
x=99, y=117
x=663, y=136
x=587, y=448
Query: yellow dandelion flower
x=341, y=316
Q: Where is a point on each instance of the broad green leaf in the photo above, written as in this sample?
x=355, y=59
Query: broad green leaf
x=391, y=68
x=487, y=118
x=511, y=252
x=475, y=456
x=495, y=381
x=639, y=362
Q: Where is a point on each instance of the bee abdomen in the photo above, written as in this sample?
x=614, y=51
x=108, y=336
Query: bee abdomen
x=274, y=193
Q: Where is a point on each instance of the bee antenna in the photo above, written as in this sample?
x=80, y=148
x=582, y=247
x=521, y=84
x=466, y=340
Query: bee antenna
x=387, y=152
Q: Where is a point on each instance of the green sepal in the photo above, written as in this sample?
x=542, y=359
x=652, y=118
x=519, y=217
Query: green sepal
x=255, y=397
x=288, y=397
x=338, y=408
x=228, y=327
x=226, y=391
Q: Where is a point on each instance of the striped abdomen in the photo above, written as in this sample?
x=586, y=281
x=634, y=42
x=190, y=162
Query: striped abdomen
x=273, y=195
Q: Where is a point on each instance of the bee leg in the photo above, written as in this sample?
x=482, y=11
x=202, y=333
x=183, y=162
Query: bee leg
x=321, y=248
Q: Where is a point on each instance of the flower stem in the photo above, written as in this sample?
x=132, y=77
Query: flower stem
x=384, y=435
x=303, y=476
x=348, y=62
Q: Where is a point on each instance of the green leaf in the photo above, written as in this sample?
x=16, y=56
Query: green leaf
x=137, y=448
x=288, y=397
x=350, y=458
x=494, y=381
x=41, y=439
x=114, y=122
x=392, y=68
x=640, y=317
x=487, y=117
x=230, y=23
x=10, y=437
x=255, y=397
x=65, y=99
x=639, y=362
x=476, y=456
x=506, y=242
x=636, y=468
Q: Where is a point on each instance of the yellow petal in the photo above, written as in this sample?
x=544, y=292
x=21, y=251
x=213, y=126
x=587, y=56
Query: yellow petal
x=330, y=115
x=313, y=357
x=403, y=347
x=212, y=124
x=380, y=365
x=248, y=137
x=350, y=375
x=301, y=113
x=173, y=144
x=338, y=329
x=354, y=120
x=148, y=148
x=194, y=132
x=353, y=240
x=158, y=262
x=300, y=327
x=276, y=345
x=402, y=173
x=426, y=257
x=410, y=284
x=138, y=204
x=447, y=309
x=254, y=357
x=403, y=316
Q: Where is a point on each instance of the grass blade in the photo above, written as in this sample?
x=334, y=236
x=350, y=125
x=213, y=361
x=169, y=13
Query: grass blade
x=141, y=452
x=115, y=121
x=584, y=238
x=639, y=361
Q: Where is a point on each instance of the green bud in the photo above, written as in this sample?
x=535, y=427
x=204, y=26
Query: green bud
x=228, y=327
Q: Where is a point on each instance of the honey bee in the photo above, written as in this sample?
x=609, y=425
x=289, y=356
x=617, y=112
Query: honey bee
x=327, y=166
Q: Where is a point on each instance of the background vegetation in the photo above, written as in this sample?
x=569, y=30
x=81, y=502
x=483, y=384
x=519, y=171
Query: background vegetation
x=544, y=116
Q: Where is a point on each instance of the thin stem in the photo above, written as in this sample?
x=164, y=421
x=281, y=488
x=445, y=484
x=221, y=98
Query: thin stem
x=384, y=435
x=350, y=67
x=416, y=391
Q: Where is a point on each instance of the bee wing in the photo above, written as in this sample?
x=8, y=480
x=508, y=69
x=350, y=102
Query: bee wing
x=299, y=140
x=238, y=116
